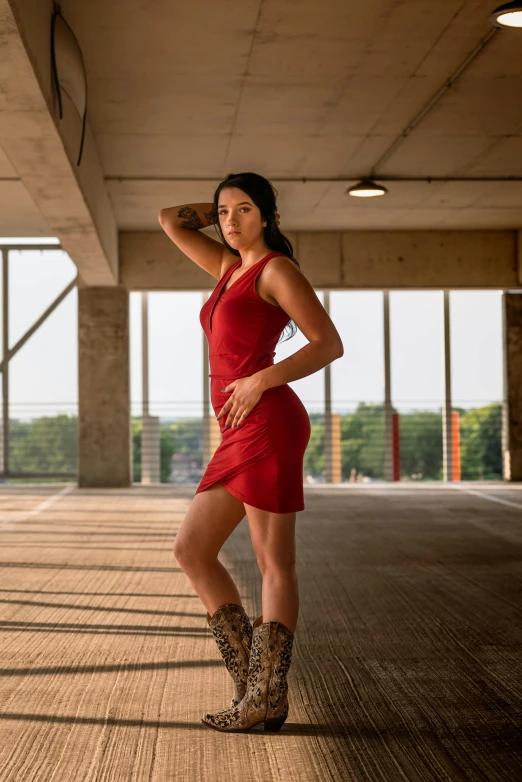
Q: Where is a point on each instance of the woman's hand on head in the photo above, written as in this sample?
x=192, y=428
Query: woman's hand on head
x=246, y=393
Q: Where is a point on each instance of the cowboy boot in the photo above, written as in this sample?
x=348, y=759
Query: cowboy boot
x=233, y=633
x=266, y=698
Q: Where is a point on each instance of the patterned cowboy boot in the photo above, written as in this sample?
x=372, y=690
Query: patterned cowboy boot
x=266, y=698
x=233, y=633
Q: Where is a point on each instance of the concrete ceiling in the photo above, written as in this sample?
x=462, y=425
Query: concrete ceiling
x=181, y=94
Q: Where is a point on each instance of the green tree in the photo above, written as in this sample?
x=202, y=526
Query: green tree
x=362, y=441
x=47, y=444
x=166, y=451
x=421, y=445
x=188, y=437
x=136, y=449
x=481, y=452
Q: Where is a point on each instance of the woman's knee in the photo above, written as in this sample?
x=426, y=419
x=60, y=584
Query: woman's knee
x=277, y=565
x=187, y=555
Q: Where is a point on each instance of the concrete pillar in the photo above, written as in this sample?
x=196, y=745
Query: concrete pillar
x=447, y=419
x=103, y=387
x=512, y=429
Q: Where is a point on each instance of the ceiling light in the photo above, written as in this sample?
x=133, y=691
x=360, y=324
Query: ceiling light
x=507, y=15
x=366, y=188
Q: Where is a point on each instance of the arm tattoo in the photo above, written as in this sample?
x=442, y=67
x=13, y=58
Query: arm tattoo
x=191, y=219
x=209, y=217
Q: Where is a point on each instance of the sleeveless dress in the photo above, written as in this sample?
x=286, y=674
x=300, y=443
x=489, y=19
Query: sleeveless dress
x=261, y=461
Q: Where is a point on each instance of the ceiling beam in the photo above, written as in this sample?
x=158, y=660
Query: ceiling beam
x=341, y=260
x=43, y=149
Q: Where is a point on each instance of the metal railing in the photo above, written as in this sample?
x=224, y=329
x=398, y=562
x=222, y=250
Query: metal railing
x=175, y=447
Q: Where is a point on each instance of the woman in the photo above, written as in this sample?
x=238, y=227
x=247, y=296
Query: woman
x=258, y=466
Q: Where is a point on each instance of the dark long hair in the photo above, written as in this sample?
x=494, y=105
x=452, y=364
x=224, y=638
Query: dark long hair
x=264, y=195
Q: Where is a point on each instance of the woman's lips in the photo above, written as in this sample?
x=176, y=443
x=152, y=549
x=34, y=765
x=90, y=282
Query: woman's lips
x=234, y=233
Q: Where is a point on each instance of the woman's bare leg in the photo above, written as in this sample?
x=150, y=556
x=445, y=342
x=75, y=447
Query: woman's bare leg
x=212, y=517
x=273, y=539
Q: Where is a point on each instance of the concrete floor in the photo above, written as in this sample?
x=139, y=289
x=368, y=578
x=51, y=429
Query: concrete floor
x=407, y=656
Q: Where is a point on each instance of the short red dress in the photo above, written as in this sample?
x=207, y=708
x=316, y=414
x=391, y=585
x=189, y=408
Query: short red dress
x=261, y=461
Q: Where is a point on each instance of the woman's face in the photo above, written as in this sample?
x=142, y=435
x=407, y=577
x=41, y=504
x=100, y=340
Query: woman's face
x=239, y=218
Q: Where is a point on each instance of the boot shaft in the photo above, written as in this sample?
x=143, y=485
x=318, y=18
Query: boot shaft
x=232, y=632
x=270, y=659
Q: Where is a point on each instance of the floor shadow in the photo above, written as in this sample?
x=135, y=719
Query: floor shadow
x=95, y=629
x=89, y=533
x=77, y=546
x=97, y=594
x=63, y=566
x=114, y=721
x=131, y=667
x=109, y=609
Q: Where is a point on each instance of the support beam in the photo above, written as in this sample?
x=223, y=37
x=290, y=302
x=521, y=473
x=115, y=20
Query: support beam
x=43, y=149
x=103, y=387
x=340, y=260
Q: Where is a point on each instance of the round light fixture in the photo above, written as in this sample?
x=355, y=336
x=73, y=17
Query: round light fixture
x=366, y=188
x=507, y=15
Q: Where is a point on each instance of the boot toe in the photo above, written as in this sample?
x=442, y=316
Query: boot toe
x=223, y=720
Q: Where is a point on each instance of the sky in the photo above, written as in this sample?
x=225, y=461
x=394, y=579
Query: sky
x=44, y=374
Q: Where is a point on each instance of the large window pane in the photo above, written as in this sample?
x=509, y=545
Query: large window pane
x=477, y=385
x=358, y=382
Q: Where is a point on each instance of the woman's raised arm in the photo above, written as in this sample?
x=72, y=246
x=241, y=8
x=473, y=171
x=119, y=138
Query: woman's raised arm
x=182, y=225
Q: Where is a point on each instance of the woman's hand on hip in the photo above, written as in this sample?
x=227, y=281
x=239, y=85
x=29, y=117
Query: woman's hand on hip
x=246, y=393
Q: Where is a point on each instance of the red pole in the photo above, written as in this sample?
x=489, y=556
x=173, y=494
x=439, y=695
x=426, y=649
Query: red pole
x=455, y=440
x=396, y=440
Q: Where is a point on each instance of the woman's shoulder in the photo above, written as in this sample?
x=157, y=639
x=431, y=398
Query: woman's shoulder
x=280, y=263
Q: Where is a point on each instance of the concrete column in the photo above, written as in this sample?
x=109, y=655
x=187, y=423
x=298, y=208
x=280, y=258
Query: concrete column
x=103, y=387
x=512, y=430
x=447, y=423
x=388, y=409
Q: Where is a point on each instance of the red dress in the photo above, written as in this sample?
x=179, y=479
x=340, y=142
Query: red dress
x=261, y=461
